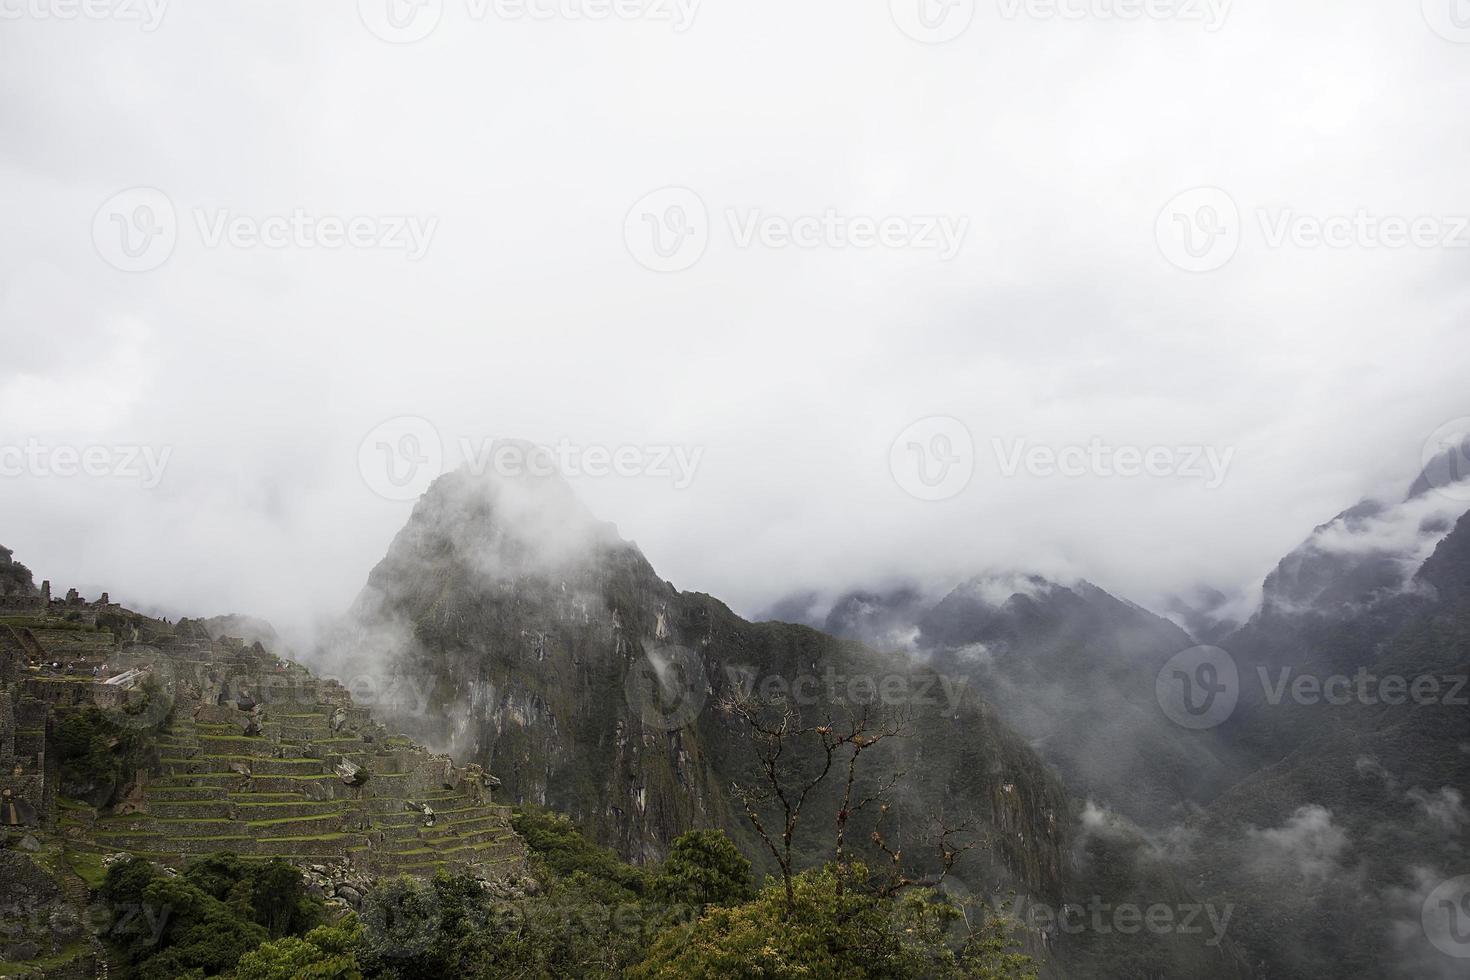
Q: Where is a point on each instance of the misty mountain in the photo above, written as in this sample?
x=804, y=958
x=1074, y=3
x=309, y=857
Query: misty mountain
x=531, y=624
x=588, y=684
x=1072, y=668
x=15, y=578
x=1354, y=805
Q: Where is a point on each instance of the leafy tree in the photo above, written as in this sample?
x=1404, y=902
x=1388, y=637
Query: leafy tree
x=562, y=849
x=832, y=927
x=203, y=921
x=98, y=755
x=704, y=868
x=402, y=927
x=325, y=953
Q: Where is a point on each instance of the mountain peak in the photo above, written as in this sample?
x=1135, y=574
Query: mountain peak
x=1451, y=466
x=518, y=518
x=15, y=578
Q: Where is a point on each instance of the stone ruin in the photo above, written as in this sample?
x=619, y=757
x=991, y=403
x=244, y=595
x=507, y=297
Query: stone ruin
x=256, y=755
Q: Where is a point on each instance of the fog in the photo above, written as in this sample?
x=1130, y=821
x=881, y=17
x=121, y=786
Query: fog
x=499, y=287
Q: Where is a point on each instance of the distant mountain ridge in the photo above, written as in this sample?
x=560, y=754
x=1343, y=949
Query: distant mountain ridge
x=1071, y=667
x=528, y=621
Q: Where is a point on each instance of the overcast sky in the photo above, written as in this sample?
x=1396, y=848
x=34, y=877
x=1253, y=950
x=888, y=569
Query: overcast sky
x=996, y=246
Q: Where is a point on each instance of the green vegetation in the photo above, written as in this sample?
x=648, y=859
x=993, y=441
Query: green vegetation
x=201, y=923
x=838, y=928
x=325, y=953
x=99, y=754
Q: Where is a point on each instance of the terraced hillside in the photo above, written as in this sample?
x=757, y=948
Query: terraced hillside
x=255, y=755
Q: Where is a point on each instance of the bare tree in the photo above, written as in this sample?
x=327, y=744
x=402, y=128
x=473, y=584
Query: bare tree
x=943, y=839
x=788, y=780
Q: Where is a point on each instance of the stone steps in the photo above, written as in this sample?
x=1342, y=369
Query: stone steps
x=293, y=805
x=192, y=809
x=259, y=765
x=490, y=835
x=333, y=843
x=184, y=792
x=471, y=825
x=251, y=812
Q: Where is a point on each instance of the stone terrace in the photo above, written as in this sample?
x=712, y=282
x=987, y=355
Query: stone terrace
x=257, y=759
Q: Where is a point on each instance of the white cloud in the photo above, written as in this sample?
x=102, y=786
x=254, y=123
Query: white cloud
x=794, y=370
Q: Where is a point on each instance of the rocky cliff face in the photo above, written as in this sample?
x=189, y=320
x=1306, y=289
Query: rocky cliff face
x=1071, y=668
x=587, y=683
x=15, y=579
